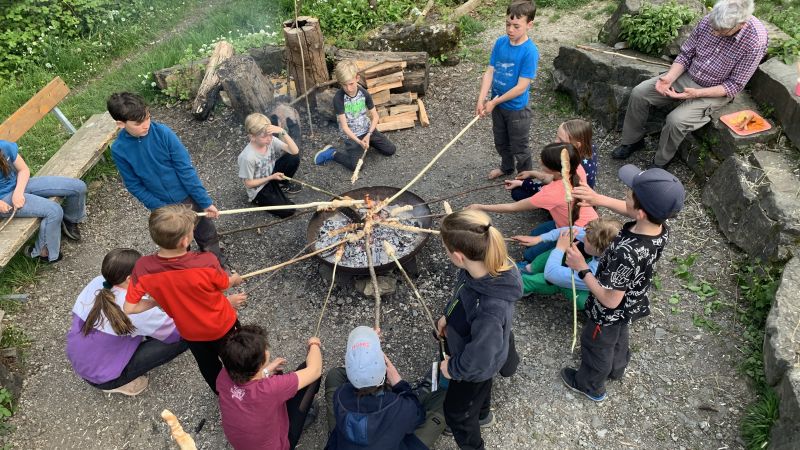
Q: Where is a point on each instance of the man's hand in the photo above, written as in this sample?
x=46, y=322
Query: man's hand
x=441, y=326
x=511, y=184
x=564, y=239
x=443, y=367
x=276, y=365
x=586, y=195
x=527, y=241
x=575, y=259
x=663, y=84
x=687, y=93
x=237, y=300
x=18, y=200
x=4, y=207
x=212, y=212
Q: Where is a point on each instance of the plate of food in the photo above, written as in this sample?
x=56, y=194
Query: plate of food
x=745, y=123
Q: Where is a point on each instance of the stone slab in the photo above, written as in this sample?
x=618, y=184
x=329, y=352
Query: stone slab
x=773, y=84
x=781, y=351
x=436, y=39
x=785, y=433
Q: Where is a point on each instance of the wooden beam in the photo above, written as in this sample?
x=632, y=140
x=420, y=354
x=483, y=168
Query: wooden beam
x=383, y=112
x=403, y=98
x=411, y=115
x=384, y=87
x=423, y=114
x=381, y=97
x=398, y=125
x=33, y=110
x=400, y=109
x=391, y=78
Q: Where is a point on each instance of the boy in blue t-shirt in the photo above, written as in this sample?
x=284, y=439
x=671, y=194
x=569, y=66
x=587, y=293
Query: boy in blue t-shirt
x=512, y=66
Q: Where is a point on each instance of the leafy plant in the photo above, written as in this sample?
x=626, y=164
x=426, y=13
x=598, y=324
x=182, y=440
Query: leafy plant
x=470, y=26
x=758, y=420
x=702, y=322
x=655, y=26
x=6, y=404
x=703, y=290
x=683, y=266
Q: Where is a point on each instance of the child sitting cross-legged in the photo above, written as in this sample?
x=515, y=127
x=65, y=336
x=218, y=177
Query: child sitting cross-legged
x=262, y=407
x=547, y=275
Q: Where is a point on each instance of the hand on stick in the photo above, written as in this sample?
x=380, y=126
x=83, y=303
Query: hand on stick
x=575, y=259
x=4, y=207
x=511, y=184
x=238, y=300
x=527, y=241
x=441, y=326
x=18, y=200
x=564, y=239
x=586, y=195
x=212, y=212
x=277, y=176
x=443, y=367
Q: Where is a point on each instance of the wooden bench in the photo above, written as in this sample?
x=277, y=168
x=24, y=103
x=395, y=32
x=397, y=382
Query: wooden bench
x=73, y=159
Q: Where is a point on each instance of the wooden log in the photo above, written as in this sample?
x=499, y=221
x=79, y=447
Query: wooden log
x=403, y=98
x=416, y=71
x=383, y=112
x=385, y=87
x=398, y=125
x=248, y=89
x=305, y=48
x=208, y=93
x=411, y=115
x=381, y=97
x=391, y=78
x=371, y=70
x=464, y=9
x=423, y=114
x=394, y=110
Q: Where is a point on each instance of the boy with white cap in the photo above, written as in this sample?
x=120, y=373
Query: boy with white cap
x=371, y=407
x=618, y=292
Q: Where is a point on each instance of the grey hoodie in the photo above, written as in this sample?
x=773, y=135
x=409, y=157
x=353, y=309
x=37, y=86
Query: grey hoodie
x=479, y=318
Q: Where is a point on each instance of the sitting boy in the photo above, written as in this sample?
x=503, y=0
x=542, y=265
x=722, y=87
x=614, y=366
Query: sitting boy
x=618, y=293
x=157, y=169
x=371, y=407
x=188, y=286
x=351, y=105
x=261, y=407
x=264, y=162
x=546, y=275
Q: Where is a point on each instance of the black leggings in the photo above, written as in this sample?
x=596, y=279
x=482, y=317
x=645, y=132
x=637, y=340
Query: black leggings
x=271, y=193
x=206, y=353
x=148, y=355
x=352, y=151
x=298, y=407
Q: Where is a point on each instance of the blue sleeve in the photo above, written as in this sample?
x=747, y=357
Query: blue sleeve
x=132, y=181
x=10, y=149
x=560, y=275
x=552, y=235
x=412, y=413
x=529, y=63
x=185, y=170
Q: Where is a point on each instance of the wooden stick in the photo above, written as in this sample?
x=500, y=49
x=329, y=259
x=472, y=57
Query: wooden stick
x=657, y=63
x=269, y=277
x=266, y=225
x=358, y=167
x=565, y=178
x=7, y=221
x=400, y=226
x=291, y=261
x=376, y=291
x=458, y=194
x=425, y=169
x=336, y=260
x=312, y=187
x=333, y=204
x=447, y=208
x=184, y=441
x=390, y=250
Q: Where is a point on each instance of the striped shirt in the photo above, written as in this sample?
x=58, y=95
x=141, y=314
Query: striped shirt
x=728, y=61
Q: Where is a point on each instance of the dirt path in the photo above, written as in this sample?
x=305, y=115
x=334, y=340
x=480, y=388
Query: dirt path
x=682, y=389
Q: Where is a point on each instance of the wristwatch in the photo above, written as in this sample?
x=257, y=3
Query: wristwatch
x=583, y=273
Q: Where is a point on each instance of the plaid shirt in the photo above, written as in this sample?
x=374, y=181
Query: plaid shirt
x=728, y=61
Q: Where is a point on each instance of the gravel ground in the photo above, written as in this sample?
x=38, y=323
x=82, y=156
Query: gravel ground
x=682, y=389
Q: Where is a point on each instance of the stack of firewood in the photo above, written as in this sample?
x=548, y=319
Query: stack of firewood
x=397, y=110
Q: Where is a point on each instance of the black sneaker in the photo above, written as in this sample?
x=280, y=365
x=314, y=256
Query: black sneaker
x=42, y=259
x=568, y=377
x=484, y=422
x=624, y=151
x=290, y=187
x=71, y=230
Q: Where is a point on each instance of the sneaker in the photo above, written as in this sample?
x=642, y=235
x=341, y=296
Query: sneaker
x=131, y=389
x=324, y=155
x=71, y=230
x=523, y=268
x=42, y=259
x=290, y=187
x=624, y=151
x=484, y=422
x=568, y=377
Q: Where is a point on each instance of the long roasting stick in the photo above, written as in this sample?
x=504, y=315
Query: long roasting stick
x=458, y=194
x=333, y=204
x=360, y=162
x=375, y=288
x=426, y=168
x=266, y=225
x=184, y=440
x=336, y=260
x=565, y=170
x=311, y=186
x=291, y=261
x=400, y=226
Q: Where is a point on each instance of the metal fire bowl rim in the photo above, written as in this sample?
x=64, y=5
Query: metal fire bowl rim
x=377, y=193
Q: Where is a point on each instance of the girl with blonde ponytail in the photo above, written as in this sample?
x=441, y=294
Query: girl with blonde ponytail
x=476, y=323
x=106, y=347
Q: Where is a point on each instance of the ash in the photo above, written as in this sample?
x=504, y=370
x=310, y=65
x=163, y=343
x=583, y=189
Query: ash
x=355, y=255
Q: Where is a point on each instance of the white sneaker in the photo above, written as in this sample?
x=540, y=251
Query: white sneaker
x=131, y=389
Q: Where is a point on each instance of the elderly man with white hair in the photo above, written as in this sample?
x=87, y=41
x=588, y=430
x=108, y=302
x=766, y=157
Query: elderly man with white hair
x=714, y=64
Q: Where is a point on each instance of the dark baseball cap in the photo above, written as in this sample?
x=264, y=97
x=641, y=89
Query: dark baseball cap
x=660, y=193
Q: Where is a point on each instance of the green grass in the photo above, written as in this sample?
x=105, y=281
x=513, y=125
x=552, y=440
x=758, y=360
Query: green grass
x=232, y=18
x=562, y=4
x=758, y=420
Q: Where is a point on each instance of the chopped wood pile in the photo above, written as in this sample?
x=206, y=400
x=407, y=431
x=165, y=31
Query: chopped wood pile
x=397, y=110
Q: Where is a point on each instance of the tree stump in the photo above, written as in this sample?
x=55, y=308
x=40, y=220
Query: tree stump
x=208, y=93
x=305, y=39
x=247, y=88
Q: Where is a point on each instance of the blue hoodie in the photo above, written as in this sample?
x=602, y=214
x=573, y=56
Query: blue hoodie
x=479, y=318
x=382, y=421
x=156, y=168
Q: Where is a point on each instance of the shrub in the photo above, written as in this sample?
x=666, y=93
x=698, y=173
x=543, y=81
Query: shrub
x=655, y=26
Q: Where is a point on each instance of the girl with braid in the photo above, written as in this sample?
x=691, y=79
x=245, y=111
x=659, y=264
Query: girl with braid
x=108, y=349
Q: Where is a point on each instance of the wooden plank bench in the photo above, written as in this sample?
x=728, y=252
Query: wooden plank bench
x=73, y=159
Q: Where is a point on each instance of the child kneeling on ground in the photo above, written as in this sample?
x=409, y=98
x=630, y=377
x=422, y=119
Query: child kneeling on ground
x=351, y=105
x=371, y=407
x=546, y=275
x=261, y=407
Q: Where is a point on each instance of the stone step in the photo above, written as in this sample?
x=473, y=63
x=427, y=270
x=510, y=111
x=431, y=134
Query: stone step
x=774, y=84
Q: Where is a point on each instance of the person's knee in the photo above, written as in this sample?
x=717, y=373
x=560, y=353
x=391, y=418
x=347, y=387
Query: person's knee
x=335, y=377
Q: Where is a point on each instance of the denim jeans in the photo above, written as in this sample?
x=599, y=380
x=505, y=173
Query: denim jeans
x=37, y=204
x=535, y=250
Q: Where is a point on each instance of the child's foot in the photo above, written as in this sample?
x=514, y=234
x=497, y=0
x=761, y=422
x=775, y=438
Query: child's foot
x=324, y=155
x=568, y=377
x=484, y=422
x=495, y=173
x=131, y=389
x=71, y=230
x=42, y=258
x=524, y=268
x=290, y=187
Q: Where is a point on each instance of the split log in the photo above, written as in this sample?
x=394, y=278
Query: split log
x=411, y=115
x=415, y=75
x=381, y=97
x=248, y=89
x=403, y=109
x=385, y=87
x=208, y=93
x=305, y=38
x=371, y=70
x=464, y=9
x=423, y=114
x=403, y=98
x=181, y=81
x=383, y=112
x=397, y=125
x=386, y=79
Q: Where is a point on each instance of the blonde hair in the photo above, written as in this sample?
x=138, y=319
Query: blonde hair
x=471, y=232
x=580, y=136
x=345, y=71
x=169, y=224
x=601, y=232
x=256, y=124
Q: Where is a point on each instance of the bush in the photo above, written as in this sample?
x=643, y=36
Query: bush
x=655, y=26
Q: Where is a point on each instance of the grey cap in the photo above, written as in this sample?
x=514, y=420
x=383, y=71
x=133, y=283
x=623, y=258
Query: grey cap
x=660, y=193
x=363, y=360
